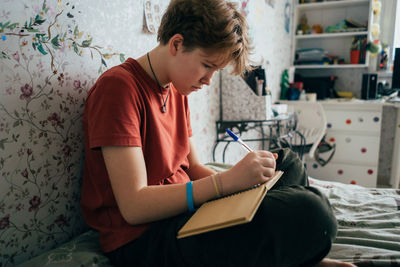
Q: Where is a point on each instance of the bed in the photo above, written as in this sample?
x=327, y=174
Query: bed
x=369, y=223
x=368, y=235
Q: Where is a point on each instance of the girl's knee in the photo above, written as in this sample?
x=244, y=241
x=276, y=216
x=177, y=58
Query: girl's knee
x=303, y=209
x=317, y=213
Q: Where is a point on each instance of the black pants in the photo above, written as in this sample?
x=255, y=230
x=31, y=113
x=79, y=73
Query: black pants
x=294, y=226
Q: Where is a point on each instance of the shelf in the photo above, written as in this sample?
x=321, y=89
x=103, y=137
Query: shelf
x=330, y=4
x=384, y=73
x=336, y=66
x=331, y=35
x=338, y=43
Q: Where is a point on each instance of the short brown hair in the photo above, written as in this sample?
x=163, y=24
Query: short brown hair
x=212, y=25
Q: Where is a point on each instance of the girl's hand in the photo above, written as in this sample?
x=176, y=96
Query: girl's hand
x=255, y=168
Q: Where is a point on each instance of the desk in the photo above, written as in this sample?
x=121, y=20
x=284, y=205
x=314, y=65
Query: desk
x=355, y=128
x=367, y=138
x=272, y=131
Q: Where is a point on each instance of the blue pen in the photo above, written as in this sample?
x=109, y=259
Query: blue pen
x=237, y=139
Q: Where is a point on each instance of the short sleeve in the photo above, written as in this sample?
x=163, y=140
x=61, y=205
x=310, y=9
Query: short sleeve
x=189, y=127
x=113, y=113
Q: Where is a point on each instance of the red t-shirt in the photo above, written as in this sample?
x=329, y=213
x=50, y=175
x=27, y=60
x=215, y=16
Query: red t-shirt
x=123, y=108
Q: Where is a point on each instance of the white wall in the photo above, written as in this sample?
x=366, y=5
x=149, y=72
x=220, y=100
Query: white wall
x=272, y=47
x=396, y=42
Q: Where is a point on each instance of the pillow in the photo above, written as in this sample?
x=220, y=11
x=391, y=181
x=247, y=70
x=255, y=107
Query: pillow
x=84, y=250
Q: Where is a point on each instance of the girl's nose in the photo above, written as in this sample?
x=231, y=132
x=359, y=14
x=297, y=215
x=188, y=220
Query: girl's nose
x=207, y=78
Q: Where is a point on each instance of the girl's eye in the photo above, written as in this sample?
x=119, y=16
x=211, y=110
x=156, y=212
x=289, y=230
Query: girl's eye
x=207, y=66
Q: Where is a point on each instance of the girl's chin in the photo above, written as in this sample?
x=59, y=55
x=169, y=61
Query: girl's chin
x=188, y=91
x=195, y=89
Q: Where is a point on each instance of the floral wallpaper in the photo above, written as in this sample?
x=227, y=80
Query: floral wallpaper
x=51, y=53
x=47, y=64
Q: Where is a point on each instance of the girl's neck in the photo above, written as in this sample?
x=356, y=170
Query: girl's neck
x=156, y=60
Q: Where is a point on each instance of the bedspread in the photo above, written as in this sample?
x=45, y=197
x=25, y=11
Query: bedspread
x=369, y=223
x=368, y=229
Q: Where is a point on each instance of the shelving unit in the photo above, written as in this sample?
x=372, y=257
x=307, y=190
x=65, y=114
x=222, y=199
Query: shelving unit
x=326, y=14
x=333, y=66
x=330, y=35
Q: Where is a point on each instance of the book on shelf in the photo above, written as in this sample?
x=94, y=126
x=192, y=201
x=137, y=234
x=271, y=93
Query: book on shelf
x=234, y=209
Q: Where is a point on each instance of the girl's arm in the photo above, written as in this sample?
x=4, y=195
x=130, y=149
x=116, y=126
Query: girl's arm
x=140, y=203
x=196, y=169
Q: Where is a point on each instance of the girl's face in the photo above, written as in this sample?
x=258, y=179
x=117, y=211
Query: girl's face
x=191, y=70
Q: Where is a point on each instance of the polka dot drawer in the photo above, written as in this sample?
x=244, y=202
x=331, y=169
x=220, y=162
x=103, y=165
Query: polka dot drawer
x=345, y=173
x=355, y=130
x=355, y=149
x=366, y=121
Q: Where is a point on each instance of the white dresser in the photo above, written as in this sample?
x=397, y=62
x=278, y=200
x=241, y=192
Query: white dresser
x=355, y=128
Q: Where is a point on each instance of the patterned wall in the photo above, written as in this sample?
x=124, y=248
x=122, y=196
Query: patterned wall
x=51, y=54
x=50, y=57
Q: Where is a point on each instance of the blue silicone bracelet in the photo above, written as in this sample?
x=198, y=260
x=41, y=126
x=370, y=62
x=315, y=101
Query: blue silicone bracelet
x=189, y=196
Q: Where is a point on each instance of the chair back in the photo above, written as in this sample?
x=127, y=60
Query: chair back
x=311, y=126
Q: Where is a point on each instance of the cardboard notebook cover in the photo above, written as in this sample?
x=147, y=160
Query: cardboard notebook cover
x=231, y=210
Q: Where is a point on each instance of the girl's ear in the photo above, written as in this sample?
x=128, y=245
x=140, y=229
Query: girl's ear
x=175, y=44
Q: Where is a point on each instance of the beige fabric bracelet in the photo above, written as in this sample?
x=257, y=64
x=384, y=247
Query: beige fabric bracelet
x=215, y=184
x=219, y=182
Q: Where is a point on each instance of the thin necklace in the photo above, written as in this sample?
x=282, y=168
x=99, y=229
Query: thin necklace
x=164, y=102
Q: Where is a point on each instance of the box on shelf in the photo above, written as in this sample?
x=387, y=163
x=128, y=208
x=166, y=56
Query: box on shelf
x=238, y=101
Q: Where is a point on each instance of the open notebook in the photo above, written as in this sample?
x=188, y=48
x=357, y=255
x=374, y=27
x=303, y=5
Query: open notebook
x=231, y=210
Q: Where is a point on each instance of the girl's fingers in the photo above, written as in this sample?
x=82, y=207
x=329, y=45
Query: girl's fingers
x=269, y=173
x=268, y=154
x=264, y=153
x=268, y=162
